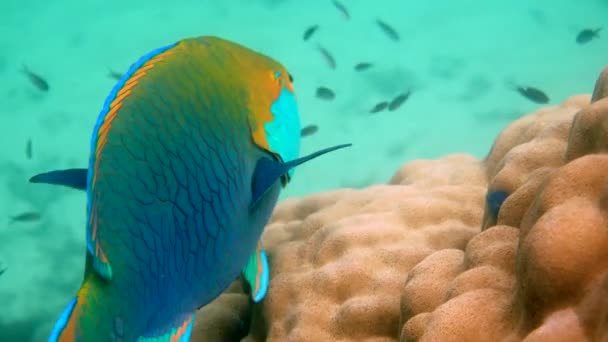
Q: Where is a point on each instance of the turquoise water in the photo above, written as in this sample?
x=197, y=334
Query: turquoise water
x=457, y=58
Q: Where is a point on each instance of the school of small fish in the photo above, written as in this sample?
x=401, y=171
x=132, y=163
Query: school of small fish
x=528, y=92
x=325, y=93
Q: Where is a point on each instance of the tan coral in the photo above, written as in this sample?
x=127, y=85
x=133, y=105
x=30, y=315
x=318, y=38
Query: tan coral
x=338, y=258
x=541, y=274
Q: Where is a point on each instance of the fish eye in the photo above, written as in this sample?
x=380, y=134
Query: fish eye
x=290, y=78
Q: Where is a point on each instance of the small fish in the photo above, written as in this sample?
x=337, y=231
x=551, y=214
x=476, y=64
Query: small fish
x=363, y=66
x=329, y=59
x=28, y=149
x=310, y=31
x=309, y=130
x=379, y=107
x=587, y=35
x=388, y=30
x=533, y=94
x=398, y=101
x=325, y=93
x=3, y=269
x=113, y=74
x=28, y=216
x=342, y=9
x=36, y=79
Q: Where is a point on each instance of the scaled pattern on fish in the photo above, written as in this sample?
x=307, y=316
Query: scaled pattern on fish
x=187, y=159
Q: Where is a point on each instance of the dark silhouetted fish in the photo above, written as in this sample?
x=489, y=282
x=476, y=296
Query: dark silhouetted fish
x=363, y=66
x=587, y=35
x=494, y=201
x=388, y=30
x=398, y=101
x=28, y=216
x=2, y=269
x=325, y=93
x=379, y=107
x=310, y=31
x=342, y=9
x=113, y=74
x=329, y=59
x=309, y=130
x=35, y=79
x=533, y=94
x=28, y=149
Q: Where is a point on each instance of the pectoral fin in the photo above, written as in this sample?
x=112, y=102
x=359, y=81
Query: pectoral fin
x=73, y=178
x=257, y=273
x=268, y=171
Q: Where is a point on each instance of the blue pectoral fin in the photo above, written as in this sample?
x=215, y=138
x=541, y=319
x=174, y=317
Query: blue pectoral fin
x=268, y=171
x=73, y=178
x=180, y=333
x=257, y=273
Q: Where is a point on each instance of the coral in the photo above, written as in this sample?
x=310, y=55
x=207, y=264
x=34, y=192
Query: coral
x=338, y=258
x=539, y=269
x=513, y=247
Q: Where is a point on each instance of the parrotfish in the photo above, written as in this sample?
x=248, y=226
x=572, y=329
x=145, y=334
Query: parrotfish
x=187, y=159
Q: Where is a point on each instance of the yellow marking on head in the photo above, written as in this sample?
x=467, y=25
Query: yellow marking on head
x=261, y=101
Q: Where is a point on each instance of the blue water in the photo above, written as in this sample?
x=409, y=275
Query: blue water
x=457, y=58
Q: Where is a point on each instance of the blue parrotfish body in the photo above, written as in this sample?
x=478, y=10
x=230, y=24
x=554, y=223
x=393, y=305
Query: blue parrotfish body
x=187, y=160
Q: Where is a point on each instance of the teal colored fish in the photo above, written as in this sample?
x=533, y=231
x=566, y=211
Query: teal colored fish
x=187, y=160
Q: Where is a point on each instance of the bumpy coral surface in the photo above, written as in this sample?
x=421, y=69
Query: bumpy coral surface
x=338, y=259
x=539, y=269
x=511, y=248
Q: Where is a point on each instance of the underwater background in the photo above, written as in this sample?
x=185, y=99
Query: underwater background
x=458, y=61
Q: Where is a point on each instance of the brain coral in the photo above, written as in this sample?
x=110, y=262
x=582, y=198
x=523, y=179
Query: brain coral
x=511, y=248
